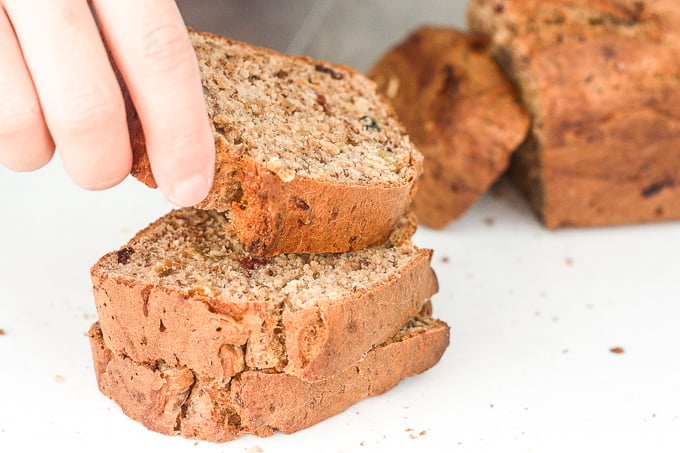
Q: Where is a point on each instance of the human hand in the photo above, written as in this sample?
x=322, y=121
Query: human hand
x=57, y=87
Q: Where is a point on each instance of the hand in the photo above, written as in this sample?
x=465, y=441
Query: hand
x=57, y=87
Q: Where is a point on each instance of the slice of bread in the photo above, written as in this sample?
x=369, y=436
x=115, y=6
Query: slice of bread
x=185, y=291
x=175, y=400
x=309, y=157
x=460, y=110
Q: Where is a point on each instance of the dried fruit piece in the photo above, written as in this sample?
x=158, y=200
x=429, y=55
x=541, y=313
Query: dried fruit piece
x=334, y=75
x=124, y=255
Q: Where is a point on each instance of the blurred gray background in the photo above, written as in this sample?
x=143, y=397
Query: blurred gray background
x=353, y=32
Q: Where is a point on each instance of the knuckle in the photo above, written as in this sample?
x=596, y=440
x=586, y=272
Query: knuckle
x=165, y=47
x=24, y=162
x=19, y=119
x=192, y=149
x=89, y=107
x=99, y=170
x=102, y=183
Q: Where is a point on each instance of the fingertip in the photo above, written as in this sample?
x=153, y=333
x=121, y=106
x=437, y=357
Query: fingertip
x=185, y=171
x=189, y=191
x=100, y=184
x=90, y=174
x=28, y=162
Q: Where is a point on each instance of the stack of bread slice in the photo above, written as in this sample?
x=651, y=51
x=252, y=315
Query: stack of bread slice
x=294, y=290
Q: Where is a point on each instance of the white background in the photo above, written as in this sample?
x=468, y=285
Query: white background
x=533, y=313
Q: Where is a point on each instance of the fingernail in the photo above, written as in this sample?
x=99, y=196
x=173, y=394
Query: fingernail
x=189, y=192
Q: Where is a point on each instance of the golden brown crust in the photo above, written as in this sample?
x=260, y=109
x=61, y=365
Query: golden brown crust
x=307, y=216
x=459, y=109
x=273, y=214
x=176, y=401
x=600, y=81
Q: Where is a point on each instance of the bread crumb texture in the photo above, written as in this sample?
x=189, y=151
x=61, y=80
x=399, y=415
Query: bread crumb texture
x=297, y=117
x=301, y=118
x=193, y=251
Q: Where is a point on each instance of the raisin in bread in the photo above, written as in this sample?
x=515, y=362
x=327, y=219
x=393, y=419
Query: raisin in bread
x=600, y=81
x=185, y=291
x=460, y=110
x=176, y=400
x=309, y=157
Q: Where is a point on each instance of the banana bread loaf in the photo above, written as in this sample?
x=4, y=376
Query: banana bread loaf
x=600, y=81
x=460, y=110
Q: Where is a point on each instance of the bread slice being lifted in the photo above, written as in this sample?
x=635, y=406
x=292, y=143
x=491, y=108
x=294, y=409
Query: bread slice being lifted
x=185, y=291
x=309, y=157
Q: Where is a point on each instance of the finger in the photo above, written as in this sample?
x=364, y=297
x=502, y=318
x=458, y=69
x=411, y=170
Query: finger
x=151, y=47
x=78, y=91
x=25, y=142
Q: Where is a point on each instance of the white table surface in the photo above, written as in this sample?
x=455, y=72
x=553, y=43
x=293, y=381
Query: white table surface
x=533, y=313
